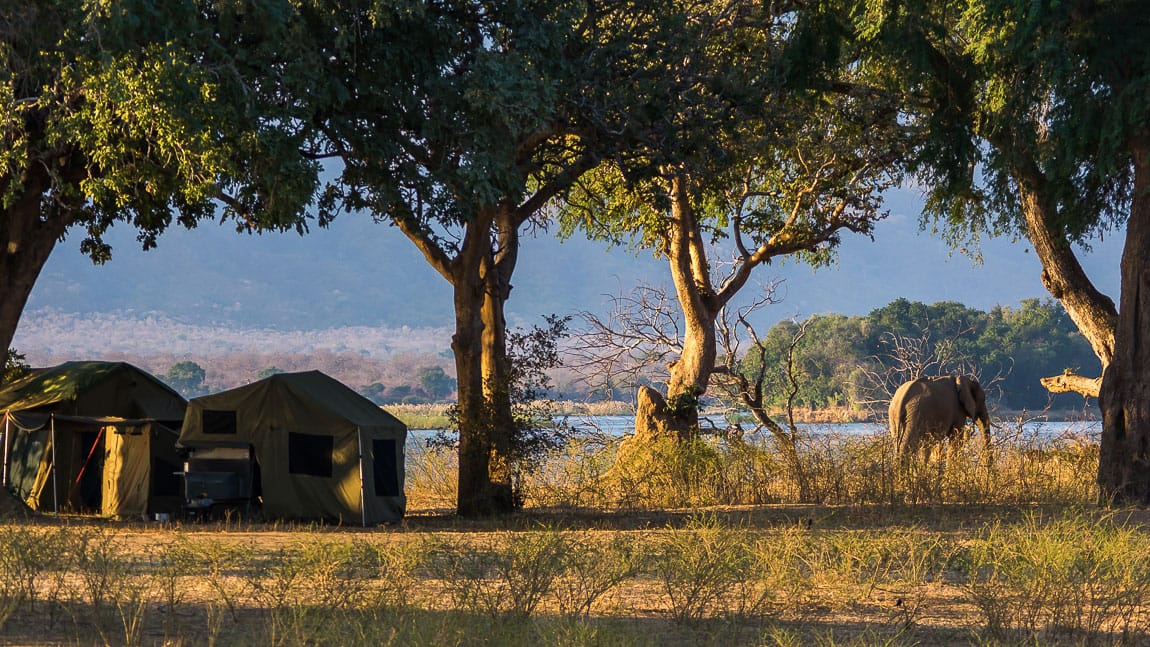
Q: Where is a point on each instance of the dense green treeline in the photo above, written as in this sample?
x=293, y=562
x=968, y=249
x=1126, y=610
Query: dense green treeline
x=856, y=361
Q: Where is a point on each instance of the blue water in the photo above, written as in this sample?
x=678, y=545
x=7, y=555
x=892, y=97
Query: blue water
x=622, y=425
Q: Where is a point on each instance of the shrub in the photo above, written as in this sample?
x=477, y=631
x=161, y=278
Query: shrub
x=1070, y=576
x=506, y=576
x=705, y=568
x=592, y=569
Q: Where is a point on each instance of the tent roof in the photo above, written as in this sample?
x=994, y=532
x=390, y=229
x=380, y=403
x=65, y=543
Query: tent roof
x=321, y=391
x=69, y=382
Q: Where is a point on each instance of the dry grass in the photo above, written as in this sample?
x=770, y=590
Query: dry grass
x=712, y=545
x=825, y=468
x=434, y=416
x=421, y=416
x=749, y=575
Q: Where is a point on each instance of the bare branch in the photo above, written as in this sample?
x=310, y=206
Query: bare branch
x=1070, y=383
x=639, y=339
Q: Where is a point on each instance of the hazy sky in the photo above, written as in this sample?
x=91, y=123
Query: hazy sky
x=362, y=273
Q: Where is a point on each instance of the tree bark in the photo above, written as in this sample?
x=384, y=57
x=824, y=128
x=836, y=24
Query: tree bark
x=1124, y=464
x=496, y=369
x=29, y=233
x=689, y=375
x=480, y=492
x=1091, y=311
x=1070, y=383
x=475, y=488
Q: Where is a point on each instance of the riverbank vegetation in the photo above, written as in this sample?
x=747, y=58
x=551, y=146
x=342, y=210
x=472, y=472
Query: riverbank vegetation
x=836, y=368
x=824, y=466
x=838, y=360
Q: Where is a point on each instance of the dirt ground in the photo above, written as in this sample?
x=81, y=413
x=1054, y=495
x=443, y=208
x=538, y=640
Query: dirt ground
x=937, y=613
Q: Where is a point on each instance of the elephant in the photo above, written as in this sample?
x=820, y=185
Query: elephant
x=925, y=411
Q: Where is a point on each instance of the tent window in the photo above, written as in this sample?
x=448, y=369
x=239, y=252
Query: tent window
x=219, y=422
x=383, y=467
x=310, y=454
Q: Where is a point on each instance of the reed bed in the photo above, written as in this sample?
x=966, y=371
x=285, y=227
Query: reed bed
x=825, y=467
x=435, y=416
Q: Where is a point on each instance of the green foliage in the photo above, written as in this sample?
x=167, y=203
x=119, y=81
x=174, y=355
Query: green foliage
x=465, y=102
x=682, y=403
x=1007, y=91
x=187, y=377
x=435, y=382
x=114, y=102
x=762, y=148
x=1022, y=344
x=14, y=367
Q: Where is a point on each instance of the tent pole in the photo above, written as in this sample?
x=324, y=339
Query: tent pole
x=7, y=439
x=55, y=488
x=362, y=484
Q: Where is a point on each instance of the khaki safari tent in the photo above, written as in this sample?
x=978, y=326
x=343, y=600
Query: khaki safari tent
x=93, y=437
x=303, y=445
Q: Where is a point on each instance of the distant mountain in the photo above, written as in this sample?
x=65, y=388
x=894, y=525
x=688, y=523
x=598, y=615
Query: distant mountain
x=359, y=273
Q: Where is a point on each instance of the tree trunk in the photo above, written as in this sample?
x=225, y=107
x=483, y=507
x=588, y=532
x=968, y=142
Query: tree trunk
x=1090, y=310
x=496, y=368
x=28, y=241
x=690, y=374
x=478, y=494
x=484, y=481
x=474, y=493
x=1124, y=464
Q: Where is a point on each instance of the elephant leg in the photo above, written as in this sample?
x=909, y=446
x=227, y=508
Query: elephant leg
x=905, y=446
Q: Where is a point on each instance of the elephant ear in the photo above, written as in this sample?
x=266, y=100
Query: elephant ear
x=965, y=396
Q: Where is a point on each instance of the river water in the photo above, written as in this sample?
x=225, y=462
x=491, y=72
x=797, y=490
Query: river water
x=621, y=425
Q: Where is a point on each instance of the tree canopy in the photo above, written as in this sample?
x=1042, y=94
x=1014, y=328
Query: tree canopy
x=135, y=113
x=750, y=129
x=1035, y=120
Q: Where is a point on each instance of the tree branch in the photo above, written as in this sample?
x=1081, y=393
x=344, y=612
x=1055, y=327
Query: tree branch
x=1071, y=383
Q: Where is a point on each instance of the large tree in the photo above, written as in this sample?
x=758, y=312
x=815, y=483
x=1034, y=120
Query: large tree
x=752, y=131
x=1038, y=116
x=128, y=112
x=457, y=122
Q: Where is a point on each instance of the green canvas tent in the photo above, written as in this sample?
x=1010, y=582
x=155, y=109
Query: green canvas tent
x=93, y=437
x=319, y=449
